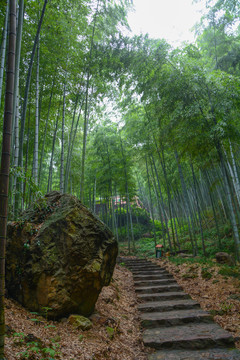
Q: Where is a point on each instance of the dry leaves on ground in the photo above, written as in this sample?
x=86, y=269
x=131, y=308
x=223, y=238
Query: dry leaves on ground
x=115, y=334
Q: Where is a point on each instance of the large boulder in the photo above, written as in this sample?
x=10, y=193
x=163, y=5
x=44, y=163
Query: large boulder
x=59, y=256
x=224, y=258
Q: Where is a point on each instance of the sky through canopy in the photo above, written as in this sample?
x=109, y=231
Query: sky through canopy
x=168, y=19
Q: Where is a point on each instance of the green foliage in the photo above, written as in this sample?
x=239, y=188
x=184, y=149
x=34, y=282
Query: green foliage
x=194, y=260
x=141, y=216
x=45, y=310
x=138, y=231
x=233, y=271
x=18, y=337
x=189, y=276
x=206, y=274
x=50, y=352
x=225, y=308
x=110, y=332
x=145, y=247
x=157, y=224
x=80, y=338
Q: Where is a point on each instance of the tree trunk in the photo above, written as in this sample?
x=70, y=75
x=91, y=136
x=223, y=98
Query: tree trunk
x=16, y=154
x=5, y=164
x=24, y=108
x=185, y=196
x=17, y=65
x=35, y=155
x=3, y=49
x=49, y=188
x=160, y=212
x=198, y=209
x=86, y=111
x=62, y=139
x=151, y=203
x=45, y=134
x=68, y=161
x=162, y=202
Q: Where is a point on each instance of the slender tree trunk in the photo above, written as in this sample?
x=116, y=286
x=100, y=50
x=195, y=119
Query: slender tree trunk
x=17, y=67
x=127, y=227
x=151, y=203
x=21, y=184
x=226, y=186
x=188, y=211
x=86, y=111
x=175, y=227
x=3, y=49
x=213, y=207
x=5, y=164
x=231, y=210
x=24, y=108
x=16, y=114
x=49, y=188
x=160, y=212
x=71, y=147
x=162, y=202
x=15, y=119
x=62, y=139
x=198, y=210
x=45, y=133
x=163, y=165
x=35, y=157
x=235, y=174
x=94, y=194
x=129, y=211
x=16, y=155
x=68, y=161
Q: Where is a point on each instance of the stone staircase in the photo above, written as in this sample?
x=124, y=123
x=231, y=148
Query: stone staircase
x=173, y=324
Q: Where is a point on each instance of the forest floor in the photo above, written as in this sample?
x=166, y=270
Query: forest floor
x=116, y=332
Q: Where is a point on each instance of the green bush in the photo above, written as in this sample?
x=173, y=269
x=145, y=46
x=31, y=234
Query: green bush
x=206, y=274
x=158, y=225
x=145, y=247
x=139, y=216
x=138, y=231
x=233, y=271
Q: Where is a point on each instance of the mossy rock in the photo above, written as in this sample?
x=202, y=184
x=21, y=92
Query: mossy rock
x=80, y=322
x=65, y=264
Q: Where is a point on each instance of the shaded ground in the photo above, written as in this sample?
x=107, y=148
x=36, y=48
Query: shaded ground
x=116, y=331
x=115, y=334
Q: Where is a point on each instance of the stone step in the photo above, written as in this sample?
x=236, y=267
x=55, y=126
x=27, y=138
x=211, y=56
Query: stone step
x=139, y=264
x=157, y=289
x=150, y=272
x=174, y=318
x=152, y=277
x=191, y=336
x=169, y=305
x=171, y=295
x=145, y=267
x=135, y=262
x=209, y=354
x=154, y=282
x=145, y=263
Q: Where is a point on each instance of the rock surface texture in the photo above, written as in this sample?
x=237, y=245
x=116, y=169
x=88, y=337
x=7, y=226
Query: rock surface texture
x=59, y=256
x=173, y=324
x=224, y=258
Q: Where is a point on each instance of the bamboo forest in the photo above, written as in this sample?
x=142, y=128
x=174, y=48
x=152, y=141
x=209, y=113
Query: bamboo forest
x=145, y=135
